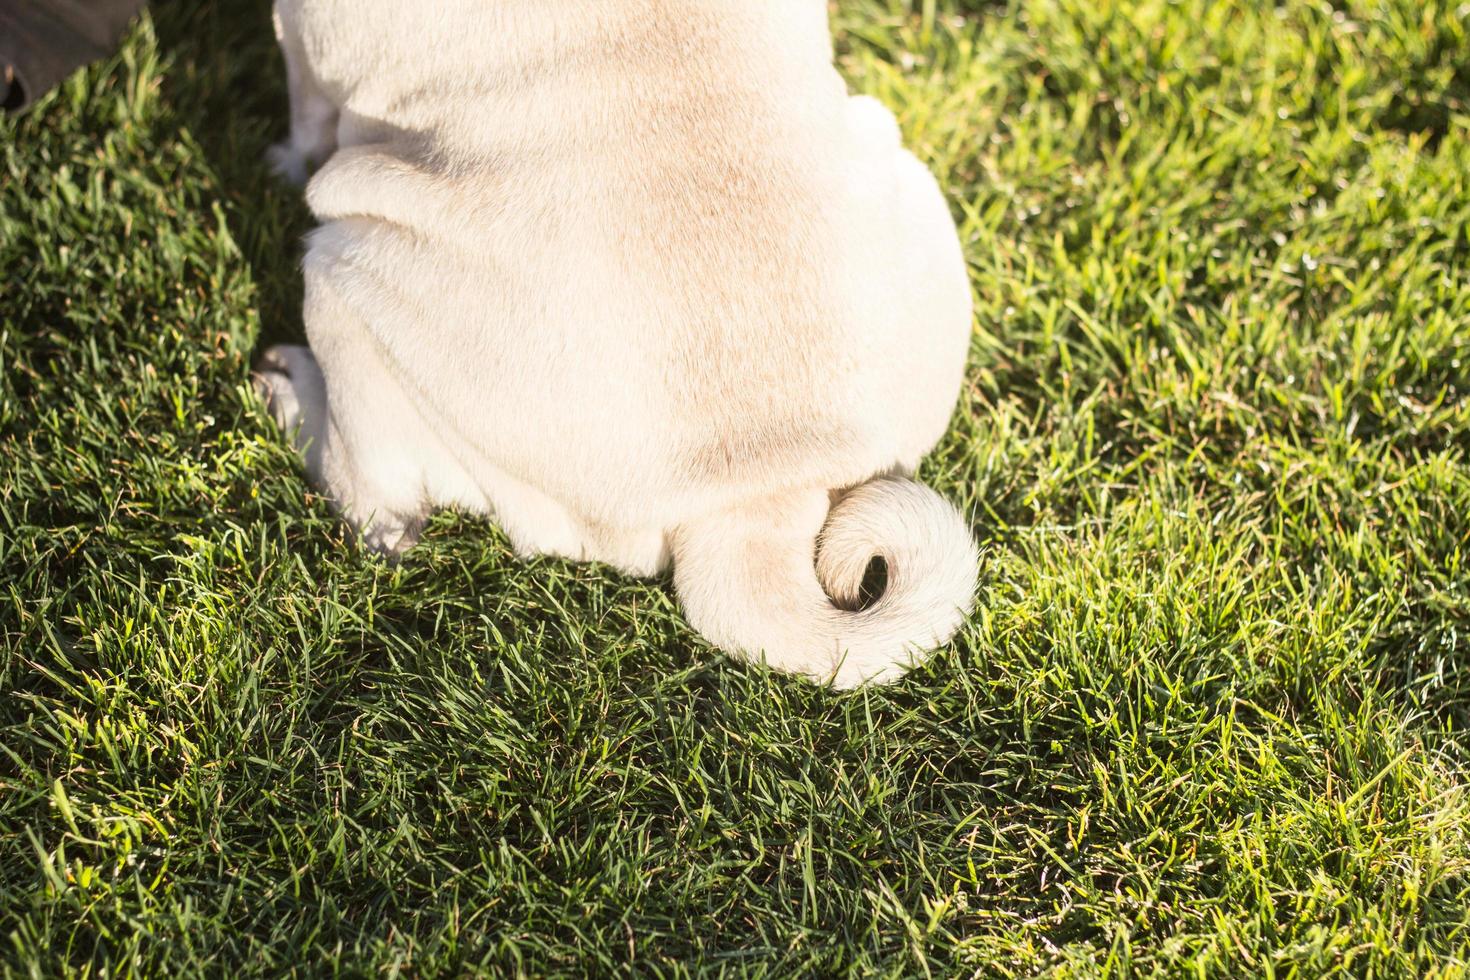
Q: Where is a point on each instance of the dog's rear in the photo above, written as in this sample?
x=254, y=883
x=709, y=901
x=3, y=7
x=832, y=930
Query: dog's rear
x=644, y=281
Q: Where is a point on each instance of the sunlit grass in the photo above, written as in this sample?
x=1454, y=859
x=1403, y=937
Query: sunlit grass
x=1208, y=718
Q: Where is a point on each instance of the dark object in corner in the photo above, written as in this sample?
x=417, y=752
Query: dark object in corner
x=43, y=41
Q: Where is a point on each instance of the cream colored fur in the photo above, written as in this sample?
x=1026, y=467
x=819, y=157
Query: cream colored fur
x=641, y=280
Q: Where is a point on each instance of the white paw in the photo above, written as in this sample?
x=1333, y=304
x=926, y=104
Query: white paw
x=289, y=163
x=291, y=385
x=279, y=396
x=389, y=536
x=277, y=375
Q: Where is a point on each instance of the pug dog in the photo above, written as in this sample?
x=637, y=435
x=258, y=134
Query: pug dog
x=640, y=280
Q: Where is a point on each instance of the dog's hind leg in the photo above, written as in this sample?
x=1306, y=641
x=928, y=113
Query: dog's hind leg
x=352, y=444
x=314, y=114
x=290, y=383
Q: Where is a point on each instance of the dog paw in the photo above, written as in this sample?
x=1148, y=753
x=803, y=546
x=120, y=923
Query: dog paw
x=389, y=536
x=288, y=163
x=279, y=397
x=277, y=378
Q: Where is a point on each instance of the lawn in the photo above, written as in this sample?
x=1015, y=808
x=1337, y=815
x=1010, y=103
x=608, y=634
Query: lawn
x=1209, y=717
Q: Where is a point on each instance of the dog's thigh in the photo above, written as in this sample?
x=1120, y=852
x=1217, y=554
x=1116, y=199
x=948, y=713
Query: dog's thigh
x=872, y=124
x=925, y=337
x=381, y=460
x=939, y=315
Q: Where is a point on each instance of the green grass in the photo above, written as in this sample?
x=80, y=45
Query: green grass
x=1209, y=718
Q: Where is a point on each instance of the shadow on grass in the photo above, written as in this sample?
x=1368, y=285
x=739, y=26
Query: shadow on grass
x=228, y=86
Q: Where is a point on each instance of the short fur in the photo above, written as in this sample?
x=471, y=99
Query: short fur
x=641, y=280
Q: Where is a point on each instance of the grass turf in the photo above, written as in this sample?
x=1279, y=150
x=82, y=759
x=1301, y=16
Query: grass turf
x=1208, y=719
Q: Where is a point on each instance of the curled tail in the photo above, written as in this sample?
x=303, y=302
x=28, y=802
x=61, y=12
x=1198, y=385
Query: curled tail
x=782, y=578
